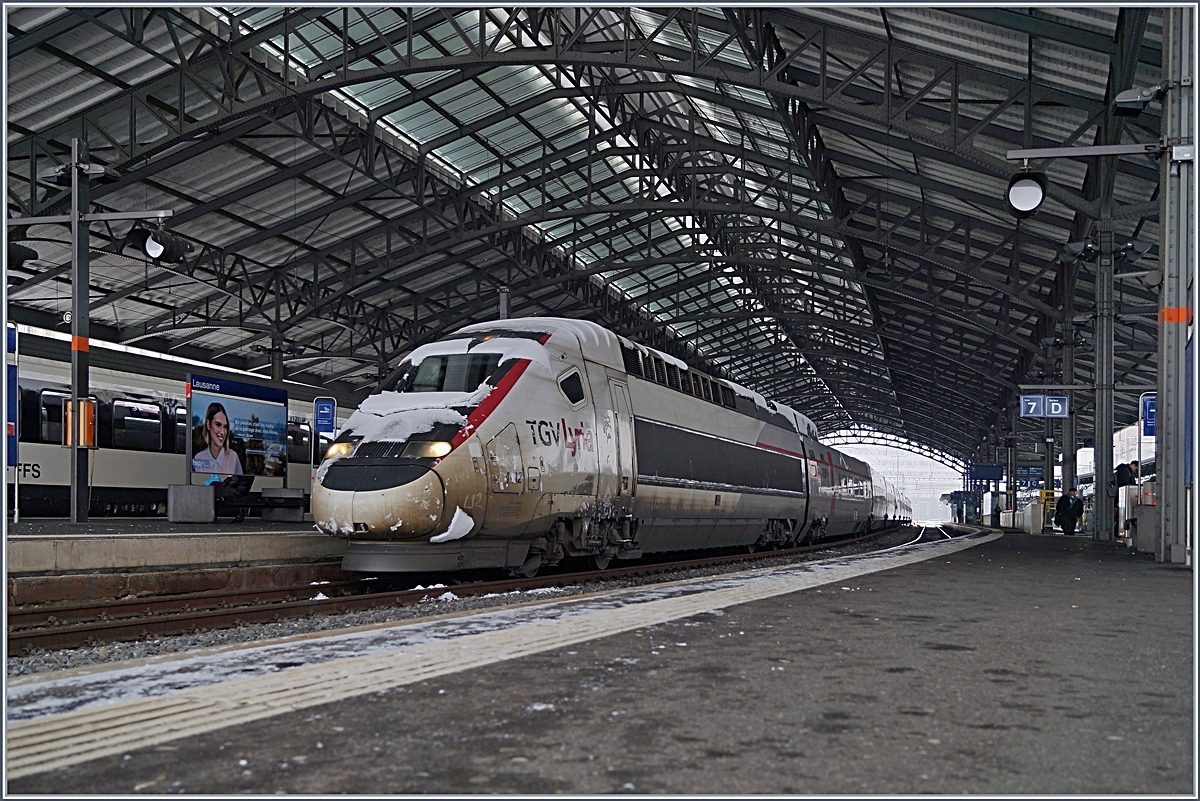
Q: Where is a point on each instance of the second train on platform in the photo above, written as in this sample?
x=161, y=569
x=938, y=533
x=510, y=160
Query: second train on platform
x=519, y=443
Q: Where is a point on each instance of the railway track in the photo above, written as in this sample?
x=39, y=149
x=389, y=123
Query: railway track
x=74, y=625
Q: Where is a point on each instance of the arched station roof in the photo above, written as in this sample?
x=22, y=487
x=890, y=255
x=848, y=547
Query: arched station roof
x=808, y=201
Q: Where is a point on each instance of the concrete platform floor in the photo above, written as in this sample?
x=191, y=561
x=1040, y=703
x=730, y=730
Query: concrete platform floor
x=145, y=527
x=51, y=560
x=1024, y=665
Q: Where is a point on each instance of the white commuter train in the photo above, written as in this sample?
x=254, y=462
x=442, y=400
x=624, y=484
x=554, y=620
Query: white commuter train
x=517, y=443
x=140, y=431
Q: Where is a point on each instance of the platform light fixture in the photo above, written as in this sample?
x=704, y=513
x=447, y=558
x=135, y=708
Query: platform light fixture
x=1133, y=251
x=1076, y=251
x=18, y=254
x=1026, y=192
x=158, y=245
x=1133, y=102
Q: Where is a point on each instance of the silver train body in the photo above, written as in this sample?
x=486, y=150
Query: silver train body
x=518, y=443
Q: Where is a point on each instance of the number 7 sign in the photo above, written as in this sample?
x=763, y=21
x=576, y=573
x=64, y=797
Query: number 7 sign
x=1033, y=405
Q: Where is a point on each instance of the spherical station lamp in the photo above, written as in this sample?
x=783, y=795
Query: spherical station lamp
x=1026, y=191
x=159, y=245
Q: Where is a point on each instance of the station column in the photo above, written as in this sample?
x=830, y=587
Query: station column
x=1177, y=260
x=80, y=300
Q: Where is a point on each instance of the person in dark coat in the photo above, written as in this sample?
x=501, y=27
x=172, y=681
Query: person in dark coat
x=1126, y=474
x=1069, y=511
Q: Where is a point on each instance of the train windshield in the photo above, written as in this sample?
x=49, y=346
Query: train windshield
x=457, y=372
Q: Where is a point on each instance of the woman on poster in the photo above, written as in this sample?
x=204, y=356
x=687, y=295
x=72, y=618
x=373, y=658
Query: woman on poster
x=217, y=457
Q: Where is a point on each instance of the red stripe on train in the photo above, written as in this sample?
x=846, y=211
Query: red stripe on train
x=784, y=451
x=489, y=404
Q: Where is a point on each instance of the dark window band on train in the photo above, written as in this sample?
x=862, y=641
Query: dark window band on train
x=673, y=453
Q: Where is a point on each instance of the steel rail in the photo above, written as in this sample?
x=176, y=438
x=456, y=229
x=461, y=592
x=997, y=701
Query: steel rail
x=147, y=618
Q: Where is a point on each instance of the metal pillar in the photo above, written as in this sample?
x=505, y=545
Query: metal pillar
x=503, y=315
x=1011, y=486
x=277, y=360
x=1177, y=260
x=80, y=280
x=1105, y=494
x=1048, y=463
x=1069, y=448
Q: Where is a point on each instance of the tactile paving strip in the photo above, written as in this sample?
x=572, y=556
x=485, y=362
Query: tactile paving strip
x=54, y=741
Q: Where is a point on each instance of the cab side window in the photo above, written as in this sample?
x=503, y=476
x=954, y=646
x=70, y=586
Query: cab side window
x=572, y=387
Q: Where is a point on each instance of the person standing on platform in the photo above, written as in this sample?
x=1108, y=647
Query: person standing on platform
x=996, y=516
x=1126, y=474
x=1069, y=511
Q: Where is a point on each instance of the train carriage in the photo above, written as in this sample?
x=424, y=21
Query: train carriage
x=140, y=429
x=518, y=443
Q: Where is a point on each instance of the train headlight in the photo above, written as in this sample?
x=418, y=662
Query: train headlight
x=339, y=449
x=427, y=450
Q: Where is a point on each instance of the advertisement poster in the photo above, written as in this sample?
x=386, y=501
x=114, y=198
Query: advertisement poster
x=237, y=428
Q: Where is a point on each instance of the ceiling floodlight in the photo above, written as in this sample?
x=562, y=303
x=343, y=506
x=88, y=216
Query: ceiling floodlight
x=1135, y=250
x=1133, y=102
x=1026, y=191
x=18, y=254
x=1074, y=251
x=159, y=245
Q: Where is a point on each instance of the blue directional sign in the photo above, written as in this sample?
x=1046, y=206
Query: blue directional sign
x=1033, y=405
x=1058, y=406
x=324, y=415
x=1148, y=406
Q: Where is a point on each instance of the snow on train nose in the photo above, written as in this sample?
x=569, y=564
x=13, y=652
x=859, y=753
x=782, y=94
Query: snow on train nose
x=393, y=501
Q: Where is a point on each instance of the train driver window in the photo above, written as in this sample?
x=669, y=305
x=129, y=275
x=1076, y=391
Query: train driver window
x=52, y=416
x=459, y=372
x=137, y=426
x=572, y=387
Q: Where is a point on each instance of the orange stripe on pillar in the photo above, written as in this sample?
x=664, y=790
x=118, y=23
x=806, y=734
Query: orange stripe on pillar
x=79, y=343
x=1175, y=314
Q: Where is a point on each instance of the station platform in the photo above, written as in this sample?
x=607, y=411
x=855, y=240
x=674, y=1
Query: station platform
x=1001, y=665
x=51, y=559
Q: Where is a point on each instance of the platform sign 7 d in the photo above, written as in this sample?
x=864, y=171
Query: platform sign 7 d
x=1045, y=406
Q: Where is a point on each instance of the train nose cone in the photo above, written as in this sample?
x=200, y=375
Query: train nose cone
x=379, y=501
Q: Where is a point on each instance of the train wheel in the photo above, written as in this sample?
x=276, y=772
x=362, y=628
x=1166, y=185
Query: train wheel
x=600, y=561
x=530, y=568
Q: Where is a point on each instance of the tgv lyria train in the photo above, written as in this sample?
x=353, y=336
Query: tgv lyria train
x=518, y=443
